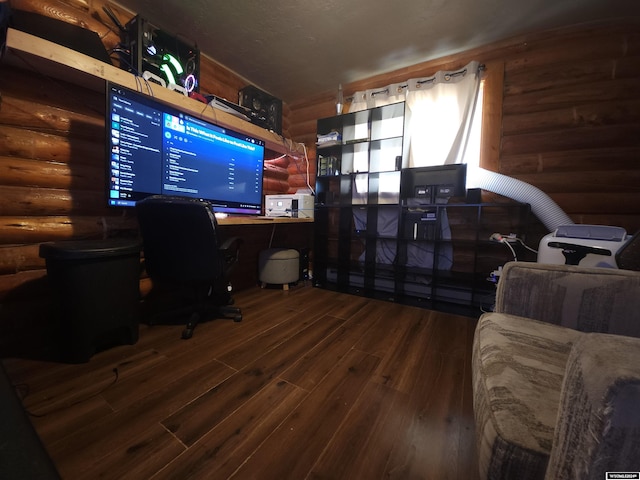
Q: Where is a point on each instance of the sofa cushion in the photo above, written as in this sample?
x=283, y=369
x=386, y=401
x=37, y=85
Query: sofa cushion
x=599, y=428
x=588, y=299
x=518, y=368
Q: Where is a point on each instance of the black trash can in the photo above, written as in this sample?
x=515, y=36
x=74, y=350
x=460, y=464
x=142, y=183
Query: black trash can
x=96, y=285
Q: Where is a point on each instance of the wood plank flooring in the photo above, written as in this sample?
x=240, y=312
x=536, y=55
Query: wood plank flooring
x=312, y=384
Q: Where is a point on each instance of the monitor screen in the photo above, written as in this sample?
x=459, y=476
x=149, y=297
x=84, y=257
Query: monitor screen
x=154, y=148
x=435, y=184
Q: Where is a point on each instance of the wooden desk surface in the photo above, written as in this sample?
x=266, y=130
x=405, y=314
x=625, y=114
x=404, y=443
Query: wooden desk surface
x=260, y=220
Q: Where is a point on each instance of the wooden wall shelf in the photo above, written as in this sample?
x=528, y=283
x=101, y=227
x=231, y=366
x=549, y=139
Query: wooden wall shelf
x=59, y=62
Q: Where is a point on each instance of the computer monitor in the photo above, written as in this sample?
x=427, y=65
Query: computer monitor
x=155, y=148
x=435, y=184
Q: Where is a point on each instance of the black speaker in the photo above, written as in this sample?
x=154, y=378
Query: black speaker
x=474, y=195
x=266, y=110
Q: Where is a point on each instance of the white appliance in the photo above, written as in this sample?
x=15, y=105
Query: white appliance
x=296, y=205
x=585, y=245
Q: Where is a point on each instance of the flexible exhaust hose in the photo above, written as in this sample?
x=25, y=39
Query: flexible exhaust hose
x=543, y=207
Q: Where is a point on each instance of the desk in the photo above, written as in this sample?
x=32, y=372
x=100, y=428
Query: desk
x=260, y=220
x=260, y=233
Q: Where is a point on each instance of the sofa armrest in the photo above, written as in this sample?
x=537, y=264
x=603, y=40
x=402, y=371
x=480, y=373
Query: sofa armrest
x=22, y=453
x=588, y=299
x=598, y=425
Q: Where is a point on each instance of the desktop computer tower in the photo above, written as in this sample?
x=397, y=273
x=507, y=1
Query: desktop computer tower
x=160, y=54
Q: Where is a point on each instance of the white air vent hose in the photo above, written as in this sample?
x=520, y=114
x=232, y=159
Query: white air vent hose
x=543, y=207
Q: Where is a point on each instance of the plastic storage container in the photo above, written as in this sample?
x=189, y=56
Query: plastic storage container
x=96, y=286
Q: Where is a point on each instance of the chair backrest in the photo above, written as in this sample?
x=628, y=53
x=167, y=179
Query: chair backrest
x=179, y=239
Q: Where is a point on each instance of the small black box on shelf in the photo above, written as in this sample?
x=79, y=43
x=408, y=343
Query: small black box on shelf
x=422, y=193
x=57, y=31
x=420, y=225
x=266, y=110
x=328, y=166
x=474, y=195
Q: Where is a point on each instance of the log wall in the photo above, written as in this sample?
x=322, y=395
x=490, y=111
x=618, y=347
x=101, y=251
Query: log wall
x=561, y=112
x=52, y=171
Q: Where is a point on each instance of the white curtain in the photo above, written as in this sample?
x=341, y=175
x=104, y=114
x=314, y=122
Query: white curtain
x=380, y=97
x=439, y=110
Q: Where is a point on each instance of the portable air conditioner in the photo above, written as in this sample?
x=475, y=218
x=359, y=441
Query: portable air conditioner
x=585, y=245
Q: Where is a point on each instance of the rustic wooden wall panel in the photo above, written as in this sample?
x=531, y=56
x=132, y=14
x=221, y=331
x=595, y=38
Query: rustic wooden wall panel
x=567, y=121
x=47, y=174
x=30, y=143
x=563, y=115
x=589, y=114
x=85, y=14
x=52, y=172
x=620, y=159
x=572, y=124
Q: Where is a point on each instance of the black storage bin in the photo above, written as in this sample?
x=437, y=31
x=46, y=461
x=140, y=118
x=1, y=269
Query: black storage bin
x=96, y=284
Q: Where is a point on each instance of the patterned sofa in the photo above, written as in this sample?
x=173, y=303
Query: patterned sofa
x=556, y=374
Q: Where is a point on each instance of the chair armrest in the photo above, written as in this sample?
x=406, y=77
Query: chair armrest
x=589, y=299
x=598, y=426
x=230, y=249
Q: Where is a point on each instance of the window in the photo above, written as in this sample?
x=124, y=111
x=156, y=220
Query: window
x=443, y=111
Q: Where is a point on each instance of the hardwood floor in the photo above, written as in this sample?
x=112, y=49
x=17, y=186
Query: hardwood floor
x=312, y=384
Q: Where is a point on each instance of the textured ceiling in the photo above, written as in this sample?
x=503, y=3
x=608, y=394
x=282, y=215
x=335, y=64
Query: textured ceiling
x=296, y=48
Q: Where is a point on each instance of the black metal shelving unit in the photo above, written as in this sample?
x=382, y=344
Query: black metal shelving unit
x=372, y=239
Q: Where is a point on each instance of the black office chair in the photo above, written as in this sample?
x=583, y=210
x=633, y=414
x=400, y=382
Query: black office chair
x=182, y=251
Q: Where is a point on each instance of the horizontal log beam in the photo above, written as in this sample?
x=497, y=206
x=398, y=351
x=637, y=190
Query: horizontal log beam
x=22, y=172
x=48, y=119
x=24, y=143
x=598, y=203
x=617, y=181
x=583, y=138
x=18, y=258
x=9, y=284
x=19, y=201
x=571, y=161
x=571, y=95
x=618, y=112
x=26, y=230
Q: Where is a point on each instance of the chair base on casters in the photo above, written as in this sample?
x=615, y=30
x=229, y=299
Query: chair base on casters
x=233, y=313
x=171, y=307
